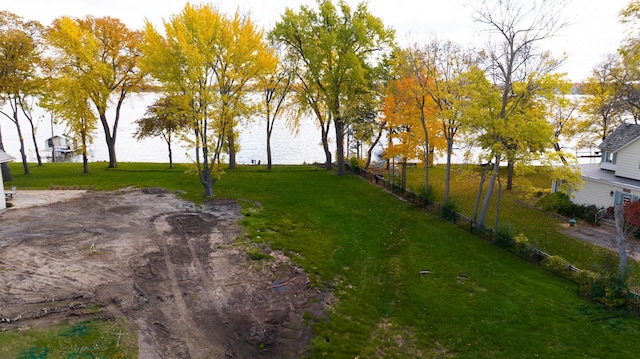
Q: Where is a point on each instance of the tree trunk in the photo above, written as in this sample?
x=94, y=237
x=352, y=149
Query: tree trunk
x=498, y=202
x=487, y=197
x=85, y=163
x=447, y=175
x=510, y=172
x=25, y=164
x=340, y=146
x=4, y=167
x=231, y=149
x=170, y=154
x=110, y=140
x=556, y=146
x=620, y=240
x=479, y=194
x=269, y=132
x=325, y=146
x=426, y=174
x=85, y=159
x=35, y=142
x=206, y=180
x=370, y=150
x=403, y=184
x=111, y=145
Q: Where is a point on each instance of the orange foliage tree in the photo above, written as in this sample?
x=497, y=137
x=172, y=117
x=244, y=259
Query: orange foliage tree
x=409, y=137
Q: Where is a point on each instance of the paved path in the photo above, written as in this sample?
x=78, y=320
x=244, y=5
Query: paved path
x=603, y=237
x=30, y=198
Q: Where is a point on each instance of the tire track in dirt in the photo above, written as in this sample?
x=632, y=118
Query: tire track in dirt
x=186, y=341
x=179, y=272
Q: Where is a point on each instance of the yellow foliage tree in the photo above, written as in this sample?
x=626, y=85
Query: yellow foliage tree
x=211, y=59
x=98, y=57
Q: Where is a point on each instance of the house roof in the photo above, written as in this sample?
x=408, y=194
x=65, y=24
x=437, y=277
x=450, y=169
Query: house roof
x=4, y=157
x=593, y=172
x=620, y=137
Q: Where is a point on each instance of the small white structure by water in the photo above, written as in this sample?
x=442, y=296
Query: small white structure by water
x=58, y=147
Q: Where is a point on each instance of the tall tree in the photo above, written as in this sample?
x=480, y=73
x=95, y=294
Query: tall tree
x=403, y=118
x=518, y=28
x=601, y=104
x=446, y=64
x=630, y=60
x=563, y=116
x=105, y=51
x=276, y=90
x=413, y=64
x=71, y=103
x=165, y=118
x=210, y=58
x=19, y=59
x=339, y=49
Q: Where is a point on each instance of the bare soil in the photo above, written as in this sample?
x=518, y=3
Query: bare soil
x=179, y=272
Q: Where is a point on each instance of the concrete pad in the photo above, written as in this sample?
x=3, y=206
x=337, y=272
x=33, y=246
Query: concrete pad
x=30, y=198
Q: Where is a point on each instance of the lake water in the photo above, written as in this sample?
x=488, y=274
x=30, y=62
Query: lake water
x=304, y=146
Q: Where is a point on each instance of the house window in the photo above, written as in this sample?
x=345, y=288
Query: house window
x=608, y=157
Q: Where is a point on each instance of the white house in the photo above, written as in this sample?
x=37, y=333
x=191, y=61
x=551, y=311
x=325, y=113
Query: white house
x=616, y=178
x=4, y=157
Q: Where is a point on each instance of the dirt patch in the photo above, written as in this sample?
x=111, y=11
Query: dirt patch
x=177, y=271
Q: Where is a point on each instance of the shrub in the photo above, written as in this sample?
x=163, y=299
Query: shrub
x=553, y=202
x=560, y=203
x=429, y=195
x=589, y=214
x=558, y=265
x=609, y=286
x=449, y=209
x=505, y=234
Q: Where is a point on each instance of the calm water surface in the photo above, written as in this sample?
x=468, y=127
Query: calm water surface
x=287, y=147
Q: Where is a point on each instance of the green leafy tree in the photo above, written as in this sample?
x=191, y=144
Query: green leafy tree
x=276, y=87
x=446, y=64
x=514, y=57
x=105, y=52
x=339, y=50
x=601, y=104
x=165, y=118
x=210, y=58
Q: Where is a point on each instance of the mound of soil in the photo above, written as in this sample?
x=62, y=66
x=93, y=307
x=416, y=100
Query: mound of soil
x=177, y=271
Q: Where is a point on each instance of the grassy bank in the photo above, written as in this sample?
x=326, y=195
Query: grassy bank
x=517, y=210
x=406, y=283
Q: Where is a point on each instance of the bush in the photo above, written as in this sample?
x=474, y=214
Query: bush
x=558, y=265
x=429, y=195
x=560, y=203
x=449, y=209
x=589, y=214
x=505, y=234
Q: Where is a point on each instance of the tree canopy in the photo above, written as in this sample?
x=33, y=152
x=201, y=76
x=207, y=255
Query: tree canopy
x=340, y=52
x=209, y=58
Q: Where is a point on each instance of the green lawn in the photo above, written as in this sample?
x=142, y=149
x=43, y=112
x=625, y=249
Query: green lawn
x=475, y=300
x=517, y=209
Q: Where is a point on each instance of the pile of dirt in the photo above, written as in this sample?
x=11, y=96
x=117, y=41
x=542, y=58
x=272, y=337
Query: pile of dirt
x=176, y=270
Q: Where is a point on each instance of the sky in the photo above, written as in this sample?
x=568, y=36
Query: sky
x=594, y=32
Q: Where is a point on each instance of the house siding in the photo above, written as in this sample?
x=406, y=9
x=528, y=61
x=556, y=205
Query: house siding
x=628, y=161
x=595, y=193
x=3, y=202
